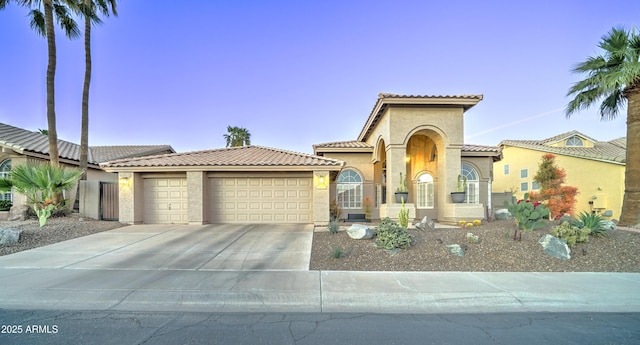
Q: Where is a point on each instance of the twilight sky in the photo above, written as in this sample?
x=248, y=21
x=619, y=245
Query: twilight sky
x=297, y=73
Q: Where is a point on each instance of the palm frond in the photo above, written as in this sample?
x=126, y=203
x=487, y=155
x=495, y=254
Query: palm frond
x=37, y=22
x=66, y=22
x=611, y=105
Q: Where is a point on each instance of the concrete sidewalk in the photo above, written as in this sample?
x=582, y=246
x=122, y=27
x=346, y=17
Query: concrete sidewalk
x=317, y=291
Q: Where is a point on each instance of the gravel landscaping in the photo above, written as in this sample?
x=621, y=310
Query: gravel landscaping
x=56, y=230
x=496, y=250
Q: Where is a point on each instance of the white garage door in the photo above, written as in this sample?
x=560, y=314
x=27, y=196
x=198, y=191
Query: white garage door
x=165, y=200
x=260, y=199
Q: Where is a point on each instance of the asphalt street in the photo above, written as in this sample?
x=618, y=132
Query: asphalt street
x=124, y=328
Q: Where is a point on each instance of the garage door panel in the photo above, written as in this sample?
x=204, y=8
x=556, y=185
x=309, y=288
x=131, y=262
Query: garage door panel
x=254, y=199
x=165, y=200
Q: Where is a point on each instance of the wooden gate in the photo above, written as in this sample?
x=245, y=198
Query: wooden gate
x=109, y=201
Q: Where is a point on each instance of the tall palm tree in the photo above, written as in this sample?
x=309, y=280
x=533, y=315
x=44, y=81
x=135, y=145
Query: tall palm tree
x=614, y=77
x=42, y=23
x=237, y=136
x=89, y=9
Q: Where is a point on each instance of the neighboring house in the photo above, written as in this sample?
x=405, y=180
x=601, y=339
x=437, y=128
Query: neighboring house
x=20, y=146
x=418, y=136
x=595, y=167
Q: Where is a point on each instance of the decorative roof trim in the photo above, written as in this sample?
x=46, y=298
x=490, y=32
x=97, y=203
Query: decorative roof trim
x=386, y=99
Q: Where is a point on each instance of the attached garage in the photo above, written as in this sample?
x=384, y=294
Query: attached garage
x=165, y=200
x=265, y=199
x=248, y=184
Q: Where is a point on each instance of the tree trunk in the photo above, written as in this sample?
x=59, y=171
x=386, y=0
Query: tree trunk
x=51, y=75
x=84, y=132
x=631, y=203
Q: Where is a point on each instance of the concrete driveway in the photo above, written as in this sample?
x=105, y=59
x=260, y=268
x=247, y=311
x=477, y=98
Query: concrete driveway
x=219, y=247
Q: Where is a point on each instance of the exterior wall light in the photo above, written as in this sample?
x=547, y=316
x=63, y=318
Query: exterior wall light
x=124, y=181
x=321, y=181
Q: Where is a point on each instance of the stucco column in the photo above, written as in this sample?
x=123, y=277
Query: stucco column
x=396, y=164
x=321, y=198
x=126, y=205
x=196, y=197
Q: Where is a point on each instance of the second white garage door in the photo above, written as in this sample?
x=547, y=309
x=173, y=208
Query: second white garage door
x=260, y=199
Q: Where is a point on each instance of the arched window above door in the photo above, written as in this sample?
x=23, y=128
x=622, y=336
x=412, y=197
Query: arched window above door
x=349, y=189
x=472, y=195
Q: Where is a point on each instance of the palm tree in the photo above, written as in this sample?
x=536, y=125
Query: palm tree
x=42, y=184
x=88, y=10
x=42, y=23
x=237, y=136
x=614, y=77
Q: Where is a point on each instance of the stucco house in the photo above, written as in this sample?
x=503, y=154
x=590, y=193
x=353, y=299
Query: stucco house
x=420, y=137
x=595, y=167
x=19, y=146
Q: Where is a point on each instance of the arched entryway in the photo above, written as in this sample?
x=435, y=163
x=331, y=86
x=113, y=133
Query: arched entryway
x=422, y=166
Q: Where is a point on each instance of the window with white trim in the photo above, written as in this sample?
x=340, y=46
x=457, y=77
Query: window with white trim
x=472, y=195
x=524, y=186
x=425, y=190
x=524, y=173
x=349, y=189
x=5, y=169
x=535, y=185
x=506, y=169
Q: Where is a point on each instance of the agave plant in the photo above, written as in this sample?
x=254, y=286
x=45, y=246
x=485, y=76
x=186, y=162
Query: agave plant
x=590, y=221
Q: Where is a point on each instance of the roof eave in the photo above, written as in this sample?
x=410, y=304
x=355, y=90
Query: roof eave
x=384, y=101
x=224, y=168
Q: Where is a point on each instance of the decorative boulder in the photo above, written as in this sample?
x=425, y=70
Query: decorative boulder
x=456, y=249
x=555, y=247
x=502, y=214
x=359, y=232
x=18, y=212
x=609, y=225
x=9, y=236
x=425, y=224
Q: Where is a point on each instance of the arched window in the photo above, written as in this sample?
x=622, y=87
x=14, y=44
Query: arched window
x=424, y=193
x=5, y=168
x=574, y=141
x=473, y=184
x=349, y=189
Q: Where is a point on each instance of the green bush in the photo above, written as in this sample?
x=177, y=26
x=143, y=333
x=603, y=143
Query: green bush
x=334, y=227
x=570, y=233
x=337, y=252
x=5, y=205
x=390, y=235
x=590, y=221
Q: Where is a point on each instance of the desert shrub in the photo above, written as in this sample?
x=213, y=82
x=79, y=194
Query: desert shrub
x=334, y=227
x=5, y=205
x=471, y=238
x=528, y=215
x=590, y=221
x=334, y=210
x=337, y=252
x=403, y=216
x=570, y=233
x=390, y=235
x=477, y=222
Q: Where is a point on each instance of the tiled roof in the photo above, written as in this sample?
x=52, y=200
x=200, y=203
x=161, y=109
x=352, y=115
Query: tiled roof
x=242, y=156
x=386, y=99
x=480, y=148
x=565, y=136
x=24, y=141
x=350, y=144
x=611, y=151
